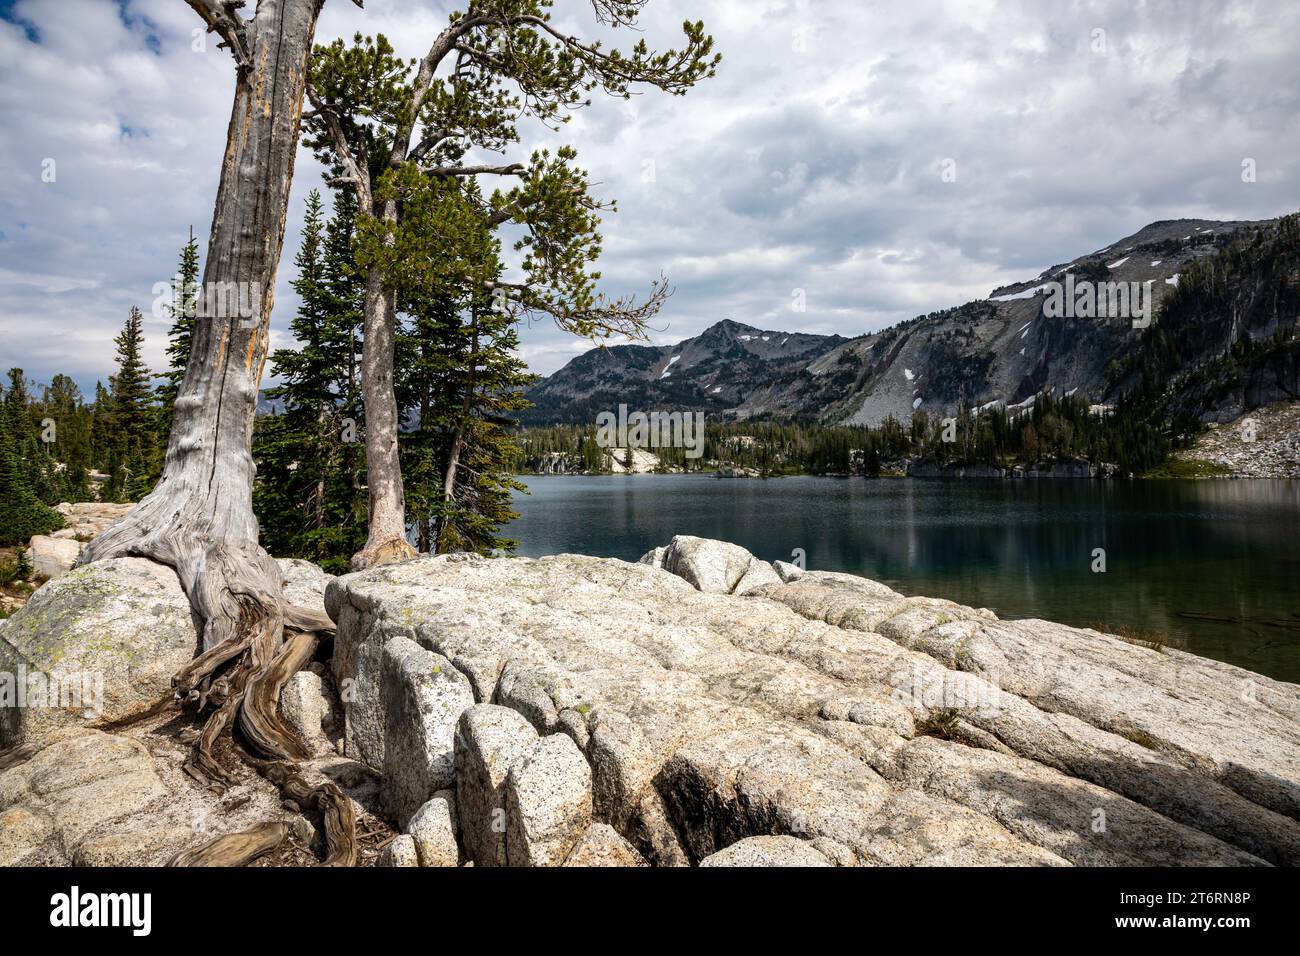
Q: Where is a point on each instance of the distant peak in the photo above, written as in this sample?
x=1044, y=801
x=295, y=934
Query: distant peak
x=729, y=325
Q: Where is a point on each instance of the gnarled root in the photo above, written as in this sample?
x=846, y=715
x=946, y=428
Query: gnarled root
x=259, y=718
x=234, y=849
x=248, y=655
x=330, y=802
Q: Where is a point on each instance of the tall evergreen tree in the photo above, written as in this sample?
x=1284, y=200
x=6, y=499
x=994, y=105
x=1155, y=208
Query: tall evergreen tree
x=29, y=440
x=17, y=395
x=390, y=129
x=456, y=377
x=307, y=495
x=22, y=513
x=183, y=309
x=132, y=416
x=458, y=382
x=65, y=427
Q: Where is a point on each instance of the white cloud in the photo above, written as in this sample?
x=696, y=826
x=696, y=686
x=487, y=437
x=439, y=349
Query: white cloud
x=811, y=161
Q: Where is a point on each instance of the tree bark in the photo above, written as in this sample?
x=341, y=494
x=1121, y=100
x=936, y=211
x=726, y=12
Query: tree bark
x=386, y=538
x=386, y=535
x=234, y=849
x=199, y=518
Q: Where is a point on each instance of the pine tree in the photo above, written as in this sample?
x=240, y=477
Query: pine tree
x=132, y=417
x=509, y=63
x=457, y=377
x=17, y=395
x=460, y=382
x=22, y=513
x=308, y=498
x=66, y=421
x=30, y=434
x=184, y=308
x=101, y=428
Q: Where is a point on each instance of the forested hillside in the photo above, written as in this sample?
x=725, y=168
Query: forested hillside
x=1226, y=338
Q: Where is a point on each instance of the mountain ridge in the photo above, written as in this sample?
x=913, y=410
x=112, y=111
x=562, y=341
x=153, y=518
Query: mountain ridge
x=1002, y=349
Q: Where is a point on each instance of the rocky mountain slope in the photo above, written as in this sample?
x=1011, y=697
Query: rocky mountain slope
x=712, y=372
x=1264, y=443
x=1002, y=349
x=699, y=707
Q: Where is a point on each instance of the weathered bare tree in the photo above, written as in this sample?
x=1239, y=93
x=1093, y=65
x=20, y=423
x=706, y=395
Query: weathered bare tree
x=199, y=518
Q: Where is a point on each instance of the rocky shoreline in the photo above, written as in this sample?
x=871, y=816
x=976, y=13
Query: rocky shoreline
x=1263, y=443
x=701, y=707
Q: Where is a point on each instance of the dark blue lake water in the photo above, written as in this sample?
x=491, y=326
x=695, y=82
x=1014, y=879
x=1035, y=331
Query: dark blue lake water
x=1215, y=565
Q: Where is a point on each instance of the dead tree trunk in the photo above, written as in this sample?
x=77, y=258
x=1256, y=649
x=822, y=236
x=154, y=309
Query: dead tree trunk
x=199, y=518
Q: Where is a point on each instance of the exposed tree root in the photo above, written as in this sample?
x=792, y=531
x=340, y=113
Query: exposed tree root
x=164, y=702
x=249, y=655
x=387, y=552
x=259, y=718
x=334, y=806
x=234, y=849
x=13, y=756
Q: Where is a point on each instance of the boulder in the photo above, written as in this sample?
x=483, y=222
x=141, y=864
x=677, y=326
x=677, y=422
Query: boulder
x=400, y=852
x=63, y=797
x=305, y=708
x=714, y=567
x=654, y=557
x=304, y=583
x=22, y=833
x=786, y=571
x=153, y=846
x=758, y=574
x=548, y=802
x=358, y=665
x=90, y=798
x=623, y=763
x=101, y=641
x=433, y=827
x=423, y=697
x=1083, y=823
x=601, y=845
x=51, y=556
x=84, y=520
x=767, y=851
x=489, y=740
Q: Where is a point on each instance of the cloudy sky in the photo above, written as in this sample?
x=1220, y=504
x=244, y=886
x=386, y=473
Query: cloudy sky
x=814, y=161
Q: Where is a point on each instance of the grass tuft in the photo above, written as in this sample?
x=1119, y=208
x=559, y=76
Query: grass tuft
x=939, y=723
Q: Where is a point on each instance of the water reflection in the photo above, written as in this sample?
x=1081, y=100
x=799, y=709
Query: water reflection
x=1226, y=552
